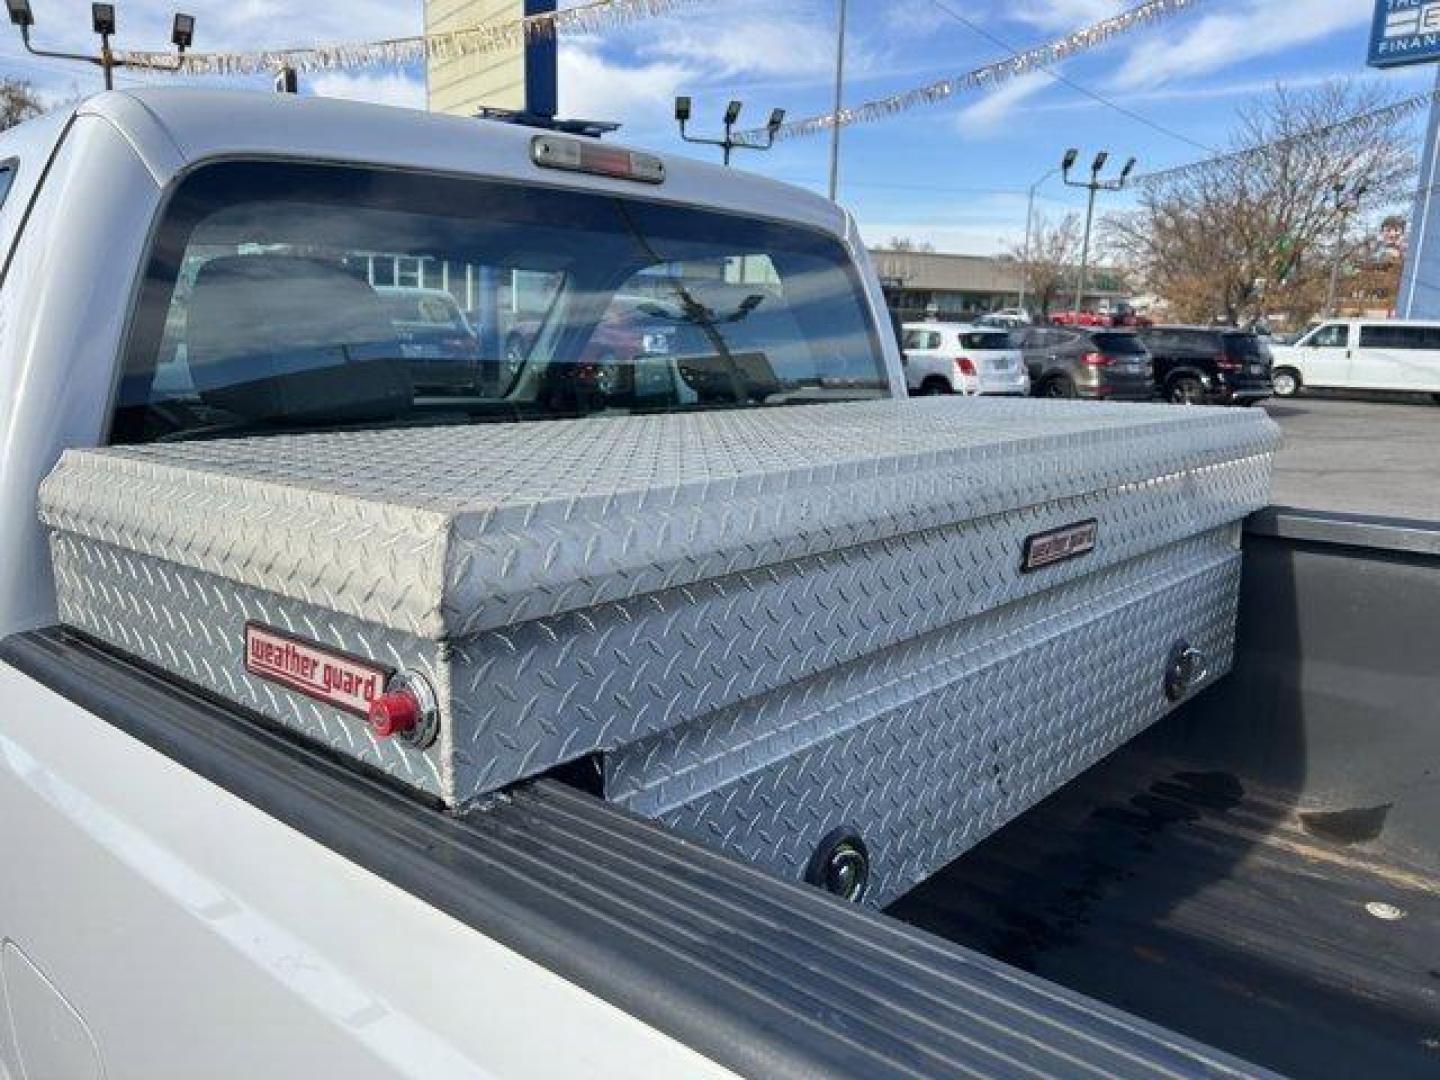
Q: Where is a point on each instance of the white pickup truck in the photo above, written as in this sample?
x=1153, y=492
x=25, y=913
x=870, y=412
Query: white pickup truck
x=508, y=730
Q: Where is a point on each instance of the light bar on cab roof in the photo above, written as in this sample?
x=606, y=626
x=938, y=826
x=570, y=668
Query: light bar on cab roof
x=588, y=156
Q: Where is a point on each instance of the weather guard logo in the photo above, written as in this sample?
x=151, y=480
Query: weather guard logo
x=346, y=682
x=1057, y=545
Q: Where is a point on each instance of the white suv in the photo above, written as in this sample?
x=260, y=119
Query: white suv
x=959, y=358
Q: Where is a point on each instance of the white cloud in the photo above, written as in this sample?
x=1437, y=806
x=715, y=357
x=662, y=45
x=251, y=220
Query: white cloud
x=386, y=88
x=774, y=45
x=1258, y=28
x=1063, y=14
x=987, y=115
x=593, y=88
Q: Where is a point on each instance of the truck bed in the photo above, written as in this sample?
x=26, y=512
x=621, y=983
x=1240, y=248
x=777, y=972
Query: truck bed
x=1259, y=871
x=1201, y=901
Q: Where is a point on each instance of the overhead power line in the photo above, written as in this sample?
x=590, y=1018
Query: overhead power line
x=1054, y=73
x=983, y=78
x=1385, y=114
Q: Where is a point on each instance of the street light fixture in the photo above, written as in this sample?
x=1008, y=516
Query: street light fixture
x=730, y=141
x=1029, y=224
x=102, y=21
x=1093, y=185
x=182, y=33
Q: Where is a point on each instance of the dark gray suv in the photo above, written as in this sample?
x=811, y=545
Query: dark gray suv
x=1084, y=362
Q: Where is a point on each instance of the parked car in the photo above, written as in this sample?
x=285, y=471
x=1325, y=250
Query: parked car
x=961, y=358
x=1362, y=354
x=1071, y=317
x=1009, y=317
x=436, y=337
x=1106, y=313
x=1197, y=365
x=1066, y=362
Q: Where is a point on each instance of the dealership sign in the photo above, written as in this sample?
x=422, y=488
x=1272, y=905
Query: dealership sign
x=1405, y=32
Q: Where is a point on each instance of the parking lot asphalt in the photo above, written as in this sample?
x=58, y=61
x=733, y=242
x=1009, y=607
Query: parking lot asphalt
x=1370, y=456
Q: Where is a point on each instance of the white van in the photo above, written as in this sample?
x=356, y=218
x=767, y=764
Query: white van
x=960, y=358
x=1361, y=354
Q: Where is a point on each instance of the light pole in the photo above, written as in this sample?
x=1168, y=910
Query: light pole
x=839, y=95
x=1094, y=184
x=1029, y=220
x=102, y=20
x=1346, y=203
x=729, y=142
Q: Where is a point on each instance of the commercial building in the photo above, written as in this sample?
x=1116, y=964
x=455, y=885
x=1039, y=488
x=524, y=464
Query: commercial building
x=920, y=284
x=514, y=78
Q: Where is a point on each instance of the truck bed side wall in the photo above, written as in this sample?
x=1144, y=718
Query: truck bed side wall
x=1335, y=694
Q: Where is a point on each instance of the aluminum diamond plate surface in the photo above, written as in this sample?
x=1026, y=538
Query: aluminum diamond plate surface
x=926, y=750
x=598, y=585
x=443, y=532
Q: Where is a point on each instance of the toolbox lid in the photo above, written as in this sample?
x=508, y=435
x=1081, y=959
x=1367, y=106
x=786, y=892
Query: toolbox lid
x=446, y=531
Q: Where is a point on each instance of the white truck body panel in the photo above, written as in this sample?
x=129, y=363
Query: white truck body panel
x=196, y=936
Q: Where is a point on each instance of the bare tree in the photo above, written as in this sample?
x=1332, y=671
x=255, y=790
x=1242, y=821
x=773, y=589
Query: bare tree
x=18, y=102
x=1253, y=231
x=905, y=243
x=1049, y=266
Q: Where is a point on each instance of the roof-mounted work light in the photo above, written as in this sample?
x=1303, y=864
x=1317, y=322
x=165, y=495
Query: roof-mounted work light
x=777, y=117
x=1125, y=172
x=682, y=109
x=1069, y=159
x=20, y=13
x=1100, y=160
x=102, y=18
x=732, y=112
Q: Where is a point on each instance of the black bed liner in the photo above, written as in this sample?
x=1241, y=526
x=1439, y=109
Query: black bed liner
x=1228, y=874
x=766, y=977
x=1200, y=901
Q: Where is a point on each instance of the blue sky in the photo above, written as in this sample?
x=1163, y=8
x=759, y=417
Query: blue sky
x=953, y=174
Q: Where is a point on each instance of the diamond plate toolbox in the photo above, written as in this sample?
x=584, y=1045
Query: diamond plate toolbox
x=909, y=618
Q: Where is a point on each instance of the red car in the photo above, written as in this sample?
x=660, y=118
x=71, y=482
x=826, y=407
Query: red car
x=618, y=360
x=1119, y=315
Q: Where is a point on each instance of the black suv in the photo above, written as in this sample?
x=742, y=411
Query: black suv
x=1197, y=365
x=1069, y=361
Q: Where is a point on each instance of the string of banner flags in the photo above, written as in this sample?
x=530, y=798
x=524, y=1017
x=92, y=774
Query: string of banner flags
x=441, y=45
x=988, y=76
x=599, y=15
x=605, y=14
